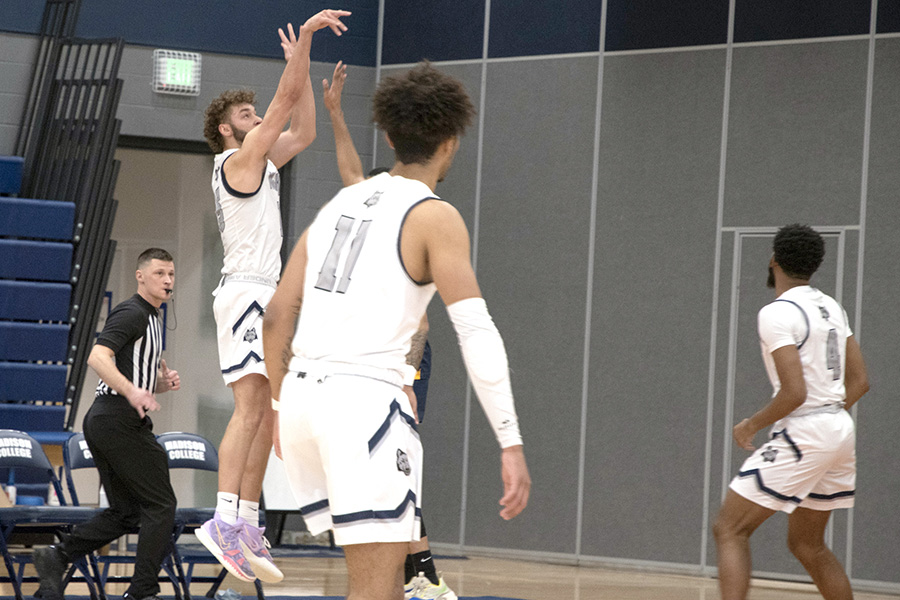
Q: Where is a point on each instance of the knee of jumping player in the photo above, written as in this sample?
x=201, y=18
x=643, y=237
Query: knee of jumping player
x=805, y=550
x=725, y=529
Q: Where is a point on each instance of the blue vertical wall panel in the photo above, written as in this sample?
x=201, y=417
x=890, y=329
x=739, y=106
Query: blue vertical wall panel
x=225, y=26
x=641, y=24
x=436, y=30
x=536, y=27
x=888, y=16
x=765, y=20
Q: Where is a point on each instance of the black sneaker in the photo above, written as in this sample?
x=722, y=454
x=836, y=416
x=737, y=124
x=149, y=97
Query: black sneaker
x=51, y=568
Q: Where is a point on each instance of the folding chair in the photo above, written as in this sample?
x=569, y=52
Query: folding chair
x=76, y=455
x=193, y=451
x=18, y=450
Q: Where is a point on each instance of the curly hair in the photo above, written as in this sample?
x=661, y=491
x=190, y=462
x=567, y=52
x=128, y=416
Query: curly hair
x=421, y=109
x=218, y=112
x=799, y=250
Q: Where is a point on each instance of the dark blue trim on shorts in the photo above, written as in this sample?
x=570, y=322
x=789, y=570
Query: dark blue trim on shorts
x=835, y=496
x=783, y=433
x=382, y=431
x=379, y=515
x=243, y=363
x=767, y=490
x=805, y=318
x=253, y=305
x=314, y=507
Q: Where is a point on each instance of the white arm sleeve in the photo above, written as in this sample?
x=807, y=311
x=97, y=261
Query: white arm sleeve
x=487, y=365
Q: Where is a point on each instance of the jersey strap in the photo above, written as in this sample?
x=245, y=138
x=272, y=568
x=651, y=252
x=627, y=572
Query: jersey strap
x=805, y=318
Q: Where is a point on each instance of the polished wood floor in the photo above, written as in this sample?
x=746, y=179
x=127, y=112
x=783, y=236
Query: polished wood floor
x=481, y=576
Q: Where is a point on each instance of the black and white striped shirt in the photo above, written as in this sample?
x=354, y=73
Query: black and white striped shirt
x=134, y=333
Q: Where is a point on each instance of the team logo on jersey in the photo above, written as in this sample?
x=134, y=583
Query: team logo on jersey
x=274, y=181
x=250, y=335
x=769, y=454
x=373, y=199
x=403, y=462
x=824, y=312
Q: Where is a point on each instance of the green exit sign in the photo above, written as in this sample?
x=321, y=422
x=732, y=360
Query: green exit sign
x=176, y=72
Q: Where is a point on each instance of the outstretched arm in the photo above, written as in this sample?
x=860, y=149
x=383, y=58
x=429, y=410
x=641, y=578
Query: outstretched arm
x=244, y=168
x=349, y=165
x=302, y=130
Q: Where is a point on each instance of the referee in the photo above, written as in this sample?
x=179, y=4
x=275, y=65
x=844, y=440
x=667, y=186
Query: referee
x=133, y=466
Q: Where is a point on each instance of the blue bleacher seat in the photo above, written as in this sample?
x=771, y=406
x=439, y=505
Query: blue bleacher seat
x=34, y=301
x=11, y=174
x=33, y=341
x=41, y=219
x=30, y=382
x=42, y=261
x=34, y=418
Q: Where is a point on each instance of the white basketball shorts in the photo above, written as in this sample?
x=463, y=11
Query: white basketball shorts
x=352, y=456
x=239, y=308
x=809, y=461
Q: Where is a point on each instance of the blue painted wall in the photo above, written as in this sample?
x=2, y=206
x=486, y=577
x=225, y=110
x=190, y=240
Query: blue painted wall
x=230, y=27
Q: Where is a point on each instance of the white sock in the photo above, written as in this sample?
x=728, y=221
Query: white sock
x=249, y=511
x=227, y=507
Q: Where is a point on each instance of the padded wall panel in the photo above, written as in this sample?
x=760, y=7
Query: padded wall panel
x=436, y=30
x=876, y=520
x=795, y=134
x=660, y=136
x=641, y=24
x=533, y=242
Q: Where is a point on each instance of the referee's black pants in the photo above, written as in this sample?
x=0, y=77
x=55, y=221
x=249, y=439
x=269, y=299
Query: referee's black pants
x=134, y=471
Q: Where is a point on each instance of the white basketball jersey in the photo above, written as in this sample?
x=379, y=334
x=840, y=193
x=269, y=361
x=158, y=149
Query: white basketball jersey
x=250, y=224
x=360, y=307
x=815, y=323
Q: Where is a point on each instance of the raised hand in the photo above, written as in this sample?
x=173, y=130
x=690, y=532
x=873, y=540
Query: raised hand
x=288, y=42
x=328, y=18
x=332, y=95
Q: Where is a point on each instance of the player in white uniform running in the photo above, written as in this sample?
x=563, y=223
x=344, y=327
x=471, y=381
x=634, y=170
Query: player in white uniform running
x=360, y=279
x=250, y=150
x=807, y=467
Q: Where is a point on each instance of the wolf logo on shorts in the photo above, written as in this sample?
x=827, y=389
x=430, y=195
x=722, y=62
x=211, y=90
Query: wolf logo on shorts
x=403, y=462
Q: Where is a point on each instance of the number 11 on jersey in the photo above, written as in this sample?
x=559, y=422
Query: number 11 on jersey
x=328, y=274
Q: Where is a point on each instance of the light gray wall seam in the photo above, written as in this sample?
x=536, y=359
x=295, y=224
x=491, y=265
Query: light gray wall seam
x=379, y=42
x=475, y=234
x=714, y=317
x=589, y=301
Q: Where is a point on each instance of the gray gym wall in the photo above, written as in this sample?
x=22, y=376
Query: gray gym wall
x=621, y=205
